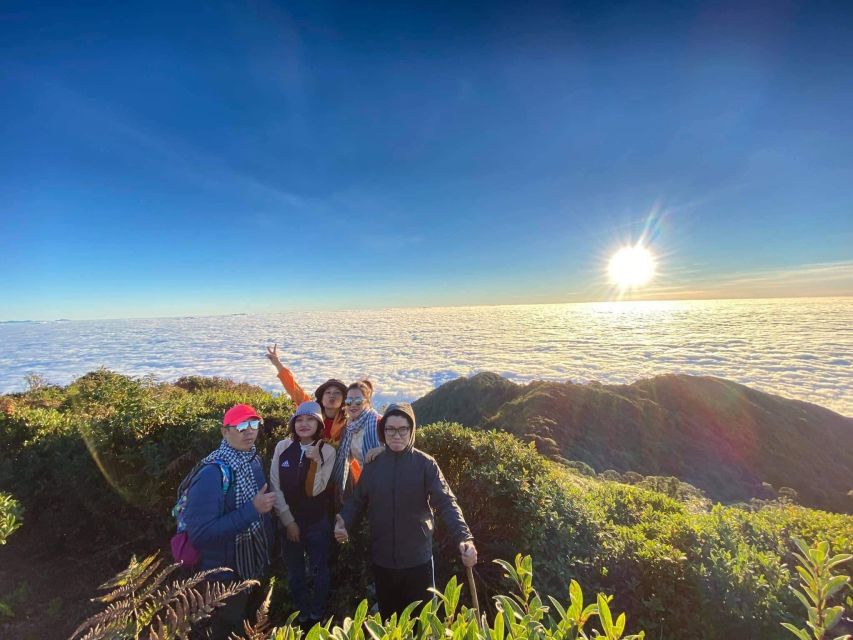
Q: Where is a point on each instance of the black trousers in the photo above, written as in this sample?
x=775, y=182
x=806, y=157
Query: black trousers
x=398, y=588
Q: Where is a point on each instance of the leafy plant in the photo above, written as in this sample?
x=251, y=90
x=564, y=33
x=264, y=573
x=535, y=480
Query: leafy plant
x=523, y=614
x=140, y=600
x=820, y=584
x=10, y=516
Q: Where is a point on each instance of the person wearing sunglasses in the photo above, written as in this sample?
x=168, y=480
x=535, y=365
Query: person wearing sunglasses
x=330, y=395
x=228, y=520
x=301, y=467
x=359, y=441
x=399, y=491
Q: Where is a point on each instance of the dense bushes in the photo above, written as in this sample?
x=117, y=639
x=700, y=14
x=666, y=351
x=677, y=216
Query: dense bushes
x=105, y=454
x=677, y=572
x=101, y=458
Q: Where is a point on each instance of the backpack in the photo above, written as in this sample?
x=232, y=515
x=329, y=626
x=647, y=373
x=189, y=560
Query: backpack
x=182, y=549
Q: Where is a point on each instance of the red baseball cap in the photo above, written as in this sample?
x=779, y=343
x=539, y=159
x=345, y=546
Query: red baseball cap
x=239, y=412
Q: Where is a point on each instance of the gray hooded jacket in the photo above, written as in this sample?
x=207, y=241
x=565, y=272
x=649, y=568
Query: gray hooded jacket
x=400, y=491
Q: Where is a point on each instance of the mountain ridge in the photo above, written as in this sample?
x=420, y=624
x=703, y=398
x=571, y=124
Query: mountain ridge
x=725, y=438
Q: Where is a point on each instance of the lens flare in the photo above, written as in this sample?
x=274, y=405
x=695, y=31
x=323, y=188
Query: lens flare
x=631, y=267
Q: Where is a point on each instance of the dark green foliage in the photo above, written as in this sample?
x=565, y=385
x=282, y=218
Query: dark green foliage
x=722, y=437
x=202, y=383
x=678, y=569
x=468, y=401
x=123, y=444
x=581, y=467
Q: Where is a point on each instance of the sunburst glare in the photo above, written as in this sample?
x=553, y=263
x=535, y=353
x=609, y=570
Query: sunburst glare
x=631, y=267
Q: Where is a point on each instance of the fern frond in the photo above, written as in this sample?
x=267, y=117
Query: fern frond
x=134, y=569
x=141, y=599
x=259, y=630
x=106, y=632
x=158, y=580
x=135, y=582
x=189, y=607
x=117, y=615
x=165, y=597
x=148, y=612
x=168, y=593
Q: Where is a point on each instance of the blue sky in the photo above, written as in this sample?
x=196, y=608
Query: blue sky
x=253, y=156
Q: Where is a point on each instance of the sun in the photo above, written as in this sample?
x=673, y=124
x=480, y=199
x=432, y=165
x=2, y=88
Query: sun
x=631, y=267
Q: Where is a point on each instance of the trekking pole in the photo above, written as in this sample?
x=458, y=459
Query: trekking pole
x=473, y=588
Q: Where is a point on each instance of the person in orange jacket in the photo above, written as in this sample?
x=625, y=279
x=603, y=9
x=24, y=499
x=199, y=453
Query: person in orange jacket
x=330, y=395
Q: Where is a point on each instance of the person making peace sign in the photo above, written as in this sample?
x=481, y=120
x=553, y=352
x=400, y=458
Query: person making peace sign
x=330, y=395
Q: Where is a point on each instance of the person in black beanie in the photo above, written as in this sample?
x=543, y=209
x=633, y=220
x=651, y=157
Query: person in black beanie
x=399, y=490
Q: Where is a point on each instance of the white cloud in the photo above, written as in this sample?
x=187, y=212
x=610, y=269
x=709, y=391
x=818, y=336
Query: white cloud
x=797, y=348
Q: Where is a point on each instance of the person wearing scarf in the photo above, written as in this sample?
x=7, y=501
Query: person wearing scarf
x=232, y=529
x=360, y=440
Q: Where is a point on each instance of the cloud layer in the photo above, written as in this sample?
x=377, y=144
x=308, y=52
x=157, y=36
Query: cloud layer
x=800, y=349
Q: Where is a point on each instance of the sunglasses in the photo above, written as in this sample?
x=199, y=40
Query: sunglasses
x=354, y=401
x=254, y=423
x=397, y=431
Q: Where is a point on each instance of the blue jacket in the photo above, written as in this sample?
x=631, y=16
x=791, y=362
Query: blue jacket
x=213, y=521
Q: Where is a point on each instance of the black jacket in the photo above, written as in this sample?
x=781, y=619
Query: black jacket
x=400, y=492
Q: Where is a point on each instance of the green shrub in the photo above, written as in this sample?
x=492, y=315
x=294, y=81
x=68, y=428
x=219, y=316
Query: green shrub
x=122, y=443
x=820, y=587
x=10, y=516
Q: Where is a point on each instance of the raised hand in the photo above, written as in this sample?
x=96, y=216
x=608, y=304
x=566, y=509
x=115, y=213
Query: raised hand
x=468, y=552
x=263, y=501
x=341, y=534
x=272, y=356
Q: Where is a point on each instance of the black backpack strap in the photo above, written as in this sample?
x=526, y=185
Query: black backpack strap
x=187, y=481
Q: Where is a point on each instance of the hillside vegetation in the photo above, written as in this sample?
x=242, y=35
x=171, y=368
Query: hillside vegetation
x=732, y=442
x=94, y=466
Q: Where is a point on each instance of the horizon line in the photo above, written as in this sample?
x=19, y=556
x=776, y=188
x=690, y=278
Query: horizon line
x=451, y=306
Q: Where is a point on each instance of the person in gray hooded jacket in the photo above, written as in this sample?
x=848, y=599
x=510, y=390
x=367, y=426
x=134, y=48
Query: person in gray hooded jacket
x=399, y=490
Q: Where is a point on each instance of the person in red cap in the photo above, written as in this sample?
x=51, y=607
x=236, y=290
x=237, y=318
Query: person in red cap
x=330, y=395
x=228, y=518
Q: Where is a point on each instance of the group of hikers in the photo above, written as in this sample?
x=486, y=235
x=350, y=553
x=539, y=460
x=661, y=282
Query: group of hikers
x=339, y=460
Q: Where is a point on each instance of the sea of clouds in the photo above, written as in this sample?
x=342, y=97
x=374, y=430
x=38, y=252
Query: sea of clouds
x=800, y=349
